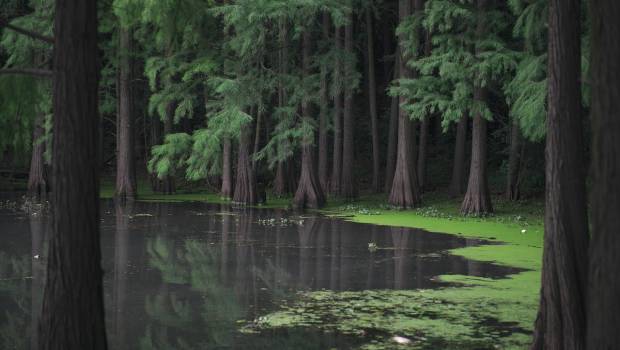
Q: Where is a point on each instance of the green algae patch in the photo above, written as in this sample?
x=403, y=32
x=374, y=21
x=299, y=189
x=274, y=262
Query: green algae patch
x=467, y=313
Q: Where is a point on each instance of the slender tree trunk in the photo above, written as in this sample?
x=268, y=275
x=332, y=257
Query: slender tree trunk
x=372, y=100
x=168, y=183
x=337, y=158
x=324, y=110
x=347, y=182
x=422, y=152
x=155, y=139
x=126, y=188
x=245, y=186
x=457, y=184
x=37, y=177
x=604, y=286
x=477, y=199
x=73, y=314
x=513, y=192
x=561, y=321
x=257, y=128
x=405, y=192
x=309, y=193
x=226, y=190
x=392, y=133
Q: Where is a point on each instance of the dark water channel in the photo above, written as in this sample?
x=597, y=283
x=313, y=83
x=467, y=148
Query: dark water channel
x=183, y=275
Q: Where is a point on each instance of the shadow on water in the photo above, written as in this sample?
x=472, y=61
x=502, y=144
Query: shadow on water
x=182, y=275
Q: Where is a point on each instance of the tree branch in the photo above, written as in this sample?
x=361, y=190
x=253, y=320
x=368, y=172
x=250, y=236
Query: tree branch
x=43, y=73
x=30, y=33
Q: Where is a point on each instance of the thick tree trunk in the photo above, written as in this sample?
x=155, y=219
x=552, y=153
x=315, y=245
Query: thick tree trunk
x=392, y=133
x=126, y=187
x=405, y=192
x=226, y=189
x=513, y=178
x=324, y=110
x=561, y=321
x=309, y=193
x=245, y=186
x=73, y=314
x=457, y=184
x=337, y=149
x=372, y=100
x=37, y=176
x=604, y=286
x=477, y=199
x=348, y=186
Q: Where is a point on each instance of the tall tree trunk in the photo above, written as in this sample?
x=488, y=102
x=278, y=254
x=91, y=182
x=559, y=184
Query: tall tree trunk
x=561, y=321
x=257, y=130
x=372, y=100
x=392, y=133
x=405, y=192
x=324, y=110
x=245, y=186
x=513, y=179
x=226, y=189
x=604, y=286
x=309, y=193
x=155, y=139
x=126, y=188
x=337, y=149
x=73, y=314
x=424, y=129
x=168, y=183
x=457, y=184
x=37, y=177
x=477, y=199
x=347, y=182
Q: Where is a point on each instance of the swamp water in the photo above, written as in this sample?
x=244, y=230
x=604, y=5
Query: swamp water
x=198, y=276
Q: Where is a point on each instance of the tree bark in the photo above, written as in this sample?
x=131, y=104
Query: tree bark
x=513, y=179
x=226, y=189
x=392, y=133
x=309, y=193
x=405, y=192
x=347, y=182
x=126, y=187
x=337, y=149
x=37, y=176
x=604, y=287
x=168, y=183
x=324, y=109
x=372, y=101
x=457, y=184
x=422, y=152
x=73, y=313
x=477, y=199
x=561, y=321
x=245, y=186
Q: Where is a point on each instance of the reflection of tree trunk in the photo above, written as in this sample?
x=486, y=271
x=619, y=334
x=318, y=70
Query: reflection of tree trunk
x=603, y=303
x=371, y=261
x=242, y=252
x=335, y=235
x=306, y=236
x=225, y=233
x=73, y=313
x=561, y=320
x=121, y=259
x=319, y=256
x=400, y=238
x=38, y=226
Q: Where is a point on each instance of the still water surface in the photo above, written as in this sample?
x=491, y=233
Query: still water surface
x=187, y=275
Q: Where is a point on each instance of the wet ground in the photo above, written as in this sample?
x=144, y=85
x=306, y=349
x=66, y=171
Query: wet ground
x=188, y=275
